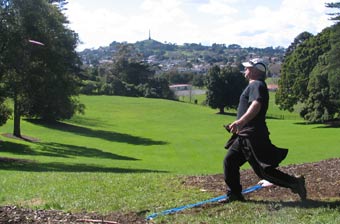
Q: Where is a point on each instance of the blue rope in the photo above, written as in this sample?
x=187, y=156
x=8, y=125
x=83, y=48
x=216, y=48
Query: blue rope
x=178, y=209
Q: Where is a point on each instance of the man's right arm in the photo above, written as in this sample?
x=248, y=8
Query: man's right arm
x=251, y=113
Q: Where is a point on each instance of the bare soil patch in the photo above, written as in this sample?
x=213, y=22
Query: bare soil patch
x=322, y=181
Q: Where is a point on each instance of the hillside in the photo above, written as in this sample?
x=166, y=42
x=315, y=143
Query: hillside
x=188, y=57
x=128, y=157
x=322, y=180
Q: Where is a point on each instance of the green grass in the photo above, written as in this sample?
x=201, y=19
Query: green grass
x=131, y=154
x=273, y=109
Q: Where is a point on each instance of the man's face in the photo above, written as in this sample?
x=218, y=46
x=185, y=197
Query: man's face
x=248, y=73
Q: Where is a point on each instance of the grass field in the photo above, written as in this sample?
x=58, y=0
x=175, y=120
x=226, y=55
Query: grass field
x=130, y=154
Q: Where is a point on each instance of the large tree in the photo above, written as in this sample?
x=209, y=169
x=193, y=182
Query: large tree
x=41, y=78
x=56, y=69
x=5, y=33
x=15, y=59
x=318, y=107
x=224, y=87
x=335, y=15
x=311, y=74
x=299, y=39
x=131, y=76
x=129, y=66
x=296, y=70
x=334, y=66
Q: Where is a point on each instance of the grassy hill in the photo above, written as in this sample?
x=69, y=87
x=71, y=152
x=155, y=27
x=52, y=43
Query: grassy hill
x=129, y=154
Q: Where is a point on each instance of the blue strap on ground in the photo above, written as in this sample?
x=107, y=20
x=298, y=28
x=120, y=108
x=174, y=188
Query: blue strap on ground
x=174, y=210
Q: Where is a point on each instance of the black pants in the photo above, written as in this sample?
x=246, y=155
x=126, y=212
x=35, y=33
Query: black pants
x=235, y=158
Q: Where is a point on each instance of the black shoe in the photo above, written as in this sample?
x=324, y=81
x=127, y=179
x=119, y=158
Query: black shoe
x=233, y=197
x=300, y=188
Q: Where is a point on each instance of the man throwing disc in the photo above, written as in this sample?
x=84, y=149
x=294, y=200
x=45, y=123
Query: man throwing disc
x=250, y=140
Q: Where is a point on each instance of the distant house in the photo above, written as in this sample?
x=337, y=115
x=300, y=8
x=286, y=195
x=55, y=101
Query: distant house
x=180, y=87
x=273, y=87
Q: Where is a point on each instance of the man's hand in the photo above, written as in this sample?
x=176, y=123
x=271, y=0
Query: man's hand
x=227, y=127
x=236, y=126
x=252, y=111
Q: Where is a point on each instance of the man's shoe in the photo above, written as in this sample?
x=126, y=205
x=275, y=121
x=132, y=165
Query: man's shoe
x=300, y=188
x=233, y=197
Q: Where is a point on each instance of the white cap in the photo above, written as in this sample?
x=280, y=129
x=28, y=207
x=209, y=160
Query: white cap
x=257, y=63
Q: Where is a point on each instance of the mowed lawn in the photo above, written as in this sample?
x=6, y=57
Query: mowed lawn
x=128, y=154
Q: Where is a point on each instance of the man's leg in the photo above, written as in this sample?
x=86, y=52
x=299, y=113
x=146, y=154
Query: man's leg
x=232, y=163
x=277, y=177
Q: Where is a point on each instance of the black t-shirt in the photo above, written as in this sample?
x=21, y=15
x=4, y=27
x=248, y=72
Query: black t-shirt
x=256, y=90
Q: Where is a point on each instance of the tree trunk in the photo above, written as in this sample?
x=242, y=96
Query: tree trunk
x=221, y=110
x=17, y=118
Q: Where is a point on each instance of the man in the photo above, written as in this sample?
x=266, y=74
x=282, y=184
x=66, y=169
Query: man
x=250, y=140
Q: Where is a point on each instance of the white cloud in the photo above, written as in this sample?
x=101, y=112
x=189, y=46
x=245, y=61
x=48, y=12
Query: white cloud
x=265, y=27
x=243, y=22
x=96, y=27
x=218, y=7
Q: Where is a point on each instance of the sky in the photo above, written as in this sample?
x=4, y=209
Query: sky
x=249, y=23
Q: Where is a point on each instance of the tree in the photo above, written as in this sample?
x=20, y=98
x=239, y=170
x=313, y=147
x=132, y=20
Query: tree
x=324, y=83
x=334, y=66
x=157, y=87
x=319, y=107
x=198, y=80
x=336, y=15
x=56, y=67
x=311, y=75
x=129, y=67
x=5, y=33
x=40, y=79
x=296, y=70
x=334, y=55
x=286, y=96
x=176, y=77
x=331, y=72
x=215, y=89
x=15, y=59
x=299, y=39
x=224, y=88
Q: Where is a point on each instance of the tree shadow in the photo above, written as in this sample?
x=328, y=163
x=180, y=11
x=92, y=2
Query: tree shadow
x=33, y=166
x=227, y=114
x=106, y=135
x=20, y=149
x=81, y=120
x=274, y=117
x=303, y=123
x=308, y=204
x=59, y=150
x=333, y=124
x=66, y=150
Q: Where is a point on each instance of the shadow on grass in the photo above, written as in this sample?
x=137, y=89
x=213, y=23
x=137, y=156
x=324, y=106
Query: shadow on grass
x=33, y=166
x=106, y=135
x=269, y=116
x=66, y=150
x=227, y=114
x=274, y=117
x=59, y=150
x=20, y=149
x=309, y=203
x=335, y=123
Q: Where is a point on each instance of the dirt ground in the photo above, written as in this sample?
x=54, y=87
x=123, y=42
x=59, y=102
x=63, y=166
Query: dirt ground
x=322, y=181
